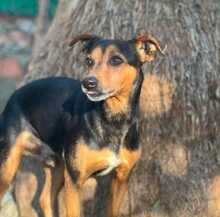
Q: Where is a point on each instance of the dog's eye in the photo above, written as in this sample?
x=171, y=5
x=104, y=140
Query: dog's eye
x=115, y=60
x=89, y=62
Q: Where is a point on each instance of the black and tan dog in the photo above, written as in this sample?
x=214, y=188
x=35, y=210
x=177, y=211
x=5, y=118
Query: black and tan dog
x=93, y=125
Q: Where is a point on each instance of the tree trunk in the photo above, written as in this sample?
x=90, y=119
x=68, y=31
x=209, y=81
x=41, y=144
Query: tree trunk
x=179, y=173
x=41, y=24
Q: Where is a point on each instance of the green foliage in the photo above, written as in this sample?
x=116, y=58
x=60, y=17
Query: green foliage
x=24, y=7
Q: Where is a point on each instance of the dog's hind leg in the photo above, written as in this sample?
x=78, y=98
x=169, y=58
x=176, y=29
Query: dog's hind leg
x=11, y=154
x=48, y=200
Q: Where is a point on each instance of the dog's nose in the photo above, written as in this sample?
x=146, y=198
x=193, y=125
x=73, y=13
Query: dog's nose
x=90, y=83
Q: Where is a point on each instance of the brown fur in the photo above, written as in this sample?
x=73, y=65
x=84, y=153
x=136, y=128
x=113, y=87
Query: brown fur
x=129, y=158
x=36, y=188
x=11, y=164
x=25, y=142
x=72, y=197
x=152, y=106
x=96, y=160
x=148, y=54
x=118, y=191
x=142, y=54
x=45, y=201
x=30, y=191
x=112, y=79
x=118, y=79
x=120, y=182
x=25, y=188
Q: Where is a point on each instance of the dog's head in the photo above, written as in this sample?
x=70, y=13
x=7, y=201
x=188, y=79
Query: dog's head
x=114, y=65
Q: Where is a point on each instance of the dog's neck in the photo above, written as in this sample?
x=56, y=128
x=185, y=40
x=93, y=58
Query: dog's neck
x=126, y=104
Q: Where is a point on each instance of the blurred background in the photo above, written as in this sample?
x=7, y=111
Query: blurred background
x=21, y=24
x=179, y=172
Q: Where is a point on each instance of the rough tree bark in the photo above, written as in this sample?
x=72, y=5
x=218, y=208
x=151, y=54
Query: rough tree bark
x=179, y=174
x=41, y=24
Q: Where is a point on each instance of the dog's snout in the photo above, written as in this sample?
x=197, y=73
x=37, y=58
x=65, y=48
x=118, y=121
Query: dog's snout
x=90, y=83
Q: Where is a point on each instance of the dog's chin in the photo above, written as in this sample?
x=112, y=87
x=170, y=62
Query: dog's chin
x=97, y=96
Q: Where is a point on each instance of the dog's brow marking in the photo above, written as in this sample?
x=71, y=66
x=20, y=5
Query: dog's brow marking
x=97, y=54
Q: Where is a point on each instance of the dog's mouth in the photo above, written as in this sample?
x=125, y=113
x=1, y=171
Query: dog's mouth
x=97, y=95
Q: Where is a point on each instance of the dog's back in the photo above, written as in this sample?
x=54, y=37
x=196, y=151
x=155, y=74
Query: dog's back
x=39, y=106
x=96, y=126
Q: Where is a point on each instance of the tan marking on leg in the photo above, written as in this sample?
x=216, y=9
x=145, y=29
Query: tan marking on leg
x=119, y=183
x=45, y=197
x=10, y=166
x=89, y=161
x=128, y=158
x=118, y=191
x=72, y=197
x=32, y=178
x=25, y=187
x=52, y=185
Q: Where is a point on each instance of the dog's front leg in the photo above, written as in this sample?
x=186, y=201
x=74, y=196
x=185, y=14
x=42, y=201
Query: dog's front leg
x=72, y=195
x=120, y=181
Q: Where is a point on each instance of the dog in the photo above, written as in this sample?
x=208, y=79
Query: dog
x=92, y=125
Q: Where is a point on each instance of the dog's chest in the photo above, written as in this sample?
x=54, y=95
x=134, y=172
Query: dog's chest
x=105, y=136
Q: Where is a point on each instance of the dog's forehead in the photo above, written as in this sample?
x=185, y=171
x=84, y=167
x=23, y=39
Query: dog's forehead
x=126, y=48
x=106, y=43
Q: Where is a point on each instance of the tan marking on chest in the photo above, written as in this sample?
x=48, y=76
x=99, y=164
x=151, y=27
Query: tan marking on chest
x=129, y=158
x=88, y=161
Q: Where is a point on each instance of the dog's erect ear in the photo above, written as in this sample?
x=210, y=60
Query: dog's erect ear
x=83, y=38
x=147, y=47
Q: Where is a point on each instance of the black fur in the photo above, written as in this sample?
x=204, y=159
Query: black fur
x=57, y=112
x=127, y=48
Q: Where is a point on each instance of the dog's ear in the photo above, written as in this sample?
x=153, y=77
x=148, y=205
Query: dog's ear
x=86, y=37
x=147, y=47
